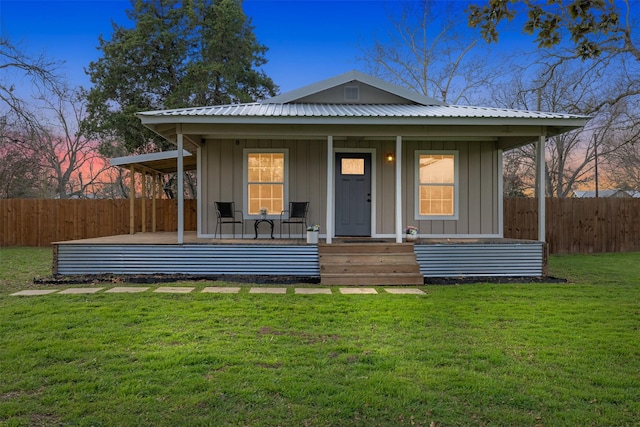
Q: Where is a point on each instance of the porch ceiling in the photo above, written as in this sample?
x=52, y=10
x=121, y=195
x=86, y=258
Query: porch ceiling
x=508, y=136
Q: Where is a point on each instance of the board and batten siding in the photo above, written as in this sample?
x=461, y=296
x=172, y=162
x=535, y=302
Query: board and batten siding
x=222, y=170
x=366, y=95
x=478, y=189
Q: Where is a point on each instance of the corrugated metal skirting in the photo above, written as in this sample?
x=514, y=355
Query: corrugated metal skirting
x=480, y=260
x=189, y=259
x=436, y=260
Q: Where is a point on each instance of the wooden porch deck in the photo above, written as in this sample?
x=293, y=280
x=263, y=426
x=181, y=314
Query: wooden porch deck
x=171, y=238
x=191, y=238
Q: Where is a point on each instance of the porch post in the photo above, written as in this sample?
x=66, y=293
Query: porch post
x=398, y=189
x=144, y=201
x=500, y=195
x=154, y=192
x=180, y=187
x=132, y=199
x=330, y=198
x=540, y=166
x=199, y=193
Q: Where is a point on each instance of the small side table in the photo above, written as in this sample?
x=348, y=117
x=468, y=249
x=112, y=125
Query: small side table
x=260, y=221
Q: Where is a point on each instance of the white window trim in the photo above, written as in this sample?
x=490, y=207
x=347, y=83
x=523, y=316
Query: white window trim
x=245, y=180
x=456, y=186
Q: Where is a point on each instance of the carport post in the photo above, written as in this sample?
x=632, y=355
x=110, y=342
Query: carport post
x=132, y=199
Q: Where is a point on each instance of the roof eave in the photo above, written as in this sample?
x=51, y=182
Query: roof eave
x=560, y=123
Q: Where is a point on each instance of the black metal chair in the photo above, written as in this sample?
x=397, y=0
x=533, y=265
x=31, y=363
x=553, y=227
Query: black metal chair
x=296, y=214
x=226, y=214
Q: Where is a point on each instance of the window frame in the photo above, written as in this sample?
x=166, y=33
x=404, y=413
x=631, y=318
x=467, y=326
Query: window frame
x=456, y=185
x=245, y=181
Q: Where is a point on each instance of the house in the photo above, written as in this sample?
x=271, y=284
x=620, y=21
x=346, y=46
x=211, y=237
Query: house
x=601, y=193
x=371, y=158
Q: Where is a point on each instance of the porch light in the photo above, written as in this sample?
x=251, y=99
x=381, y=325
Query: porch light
x=390, y=157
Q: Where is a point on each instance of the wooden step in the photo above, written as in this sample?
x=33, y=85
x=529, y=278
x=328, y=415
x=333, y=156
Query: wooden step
x=367, y=258
x=369, y=268
x=369, y=264
x=365, y=248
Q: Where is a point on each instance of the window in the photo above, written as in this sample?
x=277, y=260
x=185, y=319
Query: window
x=436, y=189
x=265, y=174
x=352, y=167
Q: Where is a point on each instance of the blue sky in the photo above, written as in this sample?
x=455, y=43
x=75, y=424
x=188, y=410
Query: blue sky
x=308, y=40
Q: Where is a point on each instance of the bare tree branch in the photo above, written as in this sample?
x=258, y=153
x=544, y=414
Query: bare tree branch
x=426, y=53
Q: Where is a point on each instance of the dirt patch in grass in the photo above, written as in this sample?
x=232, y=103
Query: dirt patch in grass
x=305, y=337
x=260, y=280
x=467, y=280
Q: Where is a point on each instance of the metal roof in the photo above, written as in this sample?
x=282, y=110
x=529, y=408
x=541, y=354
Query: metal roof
x=280, y=110
x=163, y=162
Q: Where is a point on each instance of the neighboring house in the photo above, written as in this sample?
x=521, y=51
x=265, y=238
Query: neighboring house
x=602, y=193
x=371, y=158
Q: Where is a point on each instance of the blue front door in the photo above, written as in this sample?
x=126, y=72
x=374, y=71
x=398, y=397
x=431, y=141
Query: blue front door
x=353, y=194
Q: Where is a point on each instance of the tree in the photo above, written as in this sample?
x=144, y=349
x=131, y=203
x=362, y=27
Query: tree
x=425, y=52
x=43, y=152
x=39, y=71
x=179, y=54
x=20, y=171
x=56, y=145
x=622, y=166
x=515, y=170
x=599, y=33
x=571, y=157
x=592, y=27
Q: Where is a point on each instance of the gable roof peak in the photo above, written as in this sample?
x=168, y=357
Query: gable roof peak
x=351, y=76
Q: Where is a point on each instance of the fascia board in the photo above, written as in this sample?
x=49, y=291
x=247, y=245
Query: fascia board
x=149, y=157
x=565, y=123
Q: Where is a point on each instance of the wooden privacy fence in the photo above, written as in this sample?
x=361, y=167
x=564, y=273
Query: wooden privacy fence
x=577, y=225
x=572, y=226
x=36, y=222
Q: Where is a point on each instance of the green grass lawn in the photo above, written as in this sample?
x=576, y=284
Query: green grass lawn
x=560, y=354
